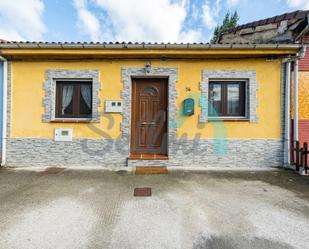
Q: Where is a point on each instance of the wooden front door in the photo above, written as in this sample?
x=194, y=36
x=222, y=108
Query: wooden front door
x=149, y=116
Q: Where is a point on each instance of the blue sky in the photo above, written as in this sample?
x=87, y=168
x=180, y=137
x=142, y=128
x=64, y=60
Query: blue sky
x=129, y=20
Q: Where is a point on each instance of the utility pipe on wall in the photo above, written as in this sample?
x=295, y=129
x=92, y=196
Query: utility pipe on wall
x=287, y=113
x=4, y=110
x=296, y=100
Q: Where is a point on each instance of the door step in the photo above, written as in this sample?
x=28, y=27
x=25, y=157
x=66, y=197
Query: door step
x=148, y=157
x=147, y=163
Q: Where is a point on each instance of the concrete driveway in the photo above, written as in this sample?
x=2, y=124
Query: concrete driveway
x=210, y=209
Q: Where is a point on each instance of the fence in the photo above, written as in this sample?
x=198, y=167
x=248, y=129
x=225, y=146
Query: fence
x=299, y=156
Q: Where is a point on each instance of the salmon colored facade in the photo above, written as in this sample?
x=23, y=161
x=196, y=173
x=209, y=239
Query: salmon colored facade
x=303, y=103
x=303, y=96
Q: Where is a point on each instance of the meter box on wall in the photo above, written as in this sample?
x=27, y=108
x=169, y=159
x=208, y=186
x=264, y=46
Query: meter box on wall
x=63, y=134
x=113, y=106
x=188, y=107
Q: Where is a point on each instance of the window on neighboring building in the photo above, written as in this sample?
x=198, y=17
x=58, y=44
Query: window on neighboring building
x=73, y=99
x=227, y=98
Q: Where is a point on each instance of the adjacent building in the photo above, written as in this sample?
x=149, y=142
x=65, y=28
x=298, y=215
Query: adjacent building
x=1, y=95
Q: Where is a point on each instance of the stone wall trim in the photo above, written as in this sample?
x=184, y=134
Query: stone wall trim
x=251, y=90
x=166, y=72
x=51, y=76
x=108, y=152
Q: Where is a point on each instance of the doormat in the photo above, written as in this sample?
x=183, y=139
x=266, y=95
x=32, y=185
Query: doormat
x=142, y=192
x=52, y=170
x=150, y=170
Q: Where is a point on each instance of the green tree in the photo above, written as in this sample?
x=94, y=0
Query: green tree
x=229, y=22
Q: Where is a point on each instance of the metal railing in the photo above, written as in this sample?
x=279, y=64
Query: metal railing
x=299, y=156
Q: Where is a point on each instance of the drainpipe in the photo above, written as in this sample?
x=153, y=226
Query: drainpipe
x=301, y=55
x=287, y=142
x=296, y=100
x=287, y=113
x=4, y=110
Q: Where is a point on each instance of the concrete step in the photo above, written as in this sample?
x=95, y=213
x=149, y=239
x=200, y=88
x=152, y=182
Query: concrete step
x=151, y=170
x=147, y=163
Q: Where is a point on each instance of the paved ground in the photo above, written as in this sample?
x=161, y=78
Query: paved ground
x=96, y=209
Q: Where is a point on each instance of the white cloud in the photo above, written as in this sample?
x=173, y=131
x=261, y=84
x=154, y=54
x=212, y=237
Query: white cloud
x=210, y=13
x=195, y=12
x=301, y=4
x=88, y=23
x=232, y=3
x=190, y=36
x=21, y=20
x=208, y=17
x=137, y=20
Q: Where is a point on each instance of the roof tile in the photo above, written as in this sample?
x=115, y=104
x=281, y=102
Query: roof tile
x=299, y=14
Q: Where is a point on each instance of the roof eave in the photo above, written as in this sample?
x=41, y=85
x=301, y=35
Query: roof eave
x=22, y=45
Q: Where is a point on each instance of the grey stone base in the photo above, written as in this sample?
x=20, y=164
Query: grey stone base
x=85, y=152
x=105, y=153
x=228, y=153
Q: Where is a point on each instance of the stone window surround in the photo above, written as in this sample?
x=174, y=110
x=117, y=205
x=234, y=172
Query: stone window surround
x=51, y=76
x=171, y=73
x=251, y=91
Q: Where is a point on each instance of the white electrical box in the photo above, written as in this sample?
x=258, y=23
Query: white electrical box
x=113, y=106
x=63, y=134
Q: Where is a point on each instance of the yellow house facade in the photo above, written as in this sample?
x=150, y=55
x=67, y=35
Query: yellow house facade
x=145, y=104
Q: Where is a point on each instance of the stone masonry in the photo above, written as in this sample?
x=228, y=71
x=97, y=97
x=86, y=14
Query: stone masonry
x=171, y=74
x=251, y=90
x=51, y=76
x=106, y=152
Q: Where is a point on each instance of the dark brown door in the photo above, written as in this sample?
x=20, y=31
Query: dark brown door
x=149, y=116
